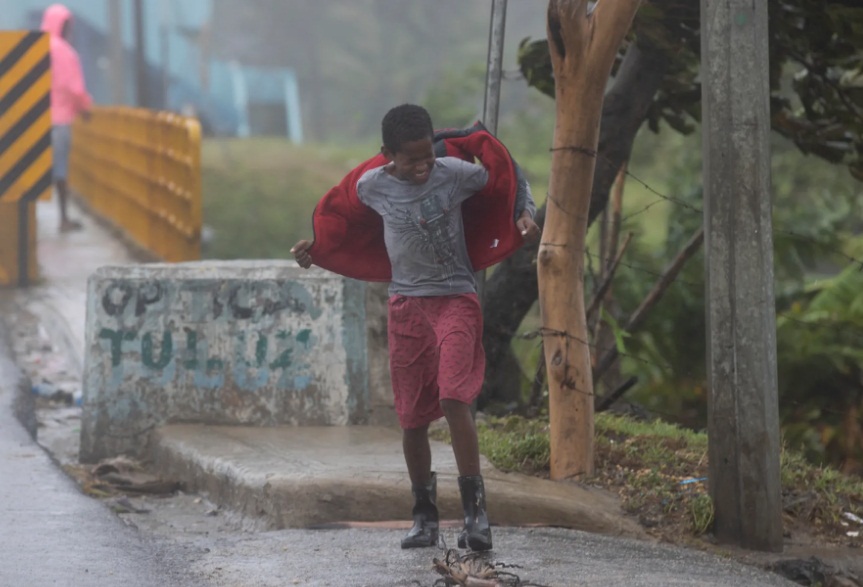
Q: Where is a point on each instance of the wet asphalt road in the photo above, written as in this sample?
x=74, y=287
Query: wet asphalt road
x=52, y=534
x=539, y=556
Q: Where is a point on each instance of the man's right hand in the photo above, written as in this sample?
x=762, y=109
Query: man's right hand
x=301, y=253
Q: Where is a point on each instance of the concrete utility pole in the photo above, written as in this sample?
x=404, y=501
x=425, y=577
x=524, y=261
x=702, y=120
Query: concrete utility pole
x=165, y=52
x=118, y=70
x=743, y=420
x=140, y=56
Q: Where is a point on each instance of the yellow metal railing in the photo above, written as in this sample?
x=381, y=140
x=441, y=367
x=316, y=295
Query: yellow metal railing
x=141, y=170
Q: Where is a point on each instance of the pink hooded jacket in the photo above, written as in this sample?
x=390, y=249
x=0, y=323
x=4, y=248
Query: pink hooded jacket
x=69, y=95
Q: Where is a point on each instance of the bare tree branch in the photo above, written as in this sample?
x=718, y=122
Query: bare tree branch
x=606, y=283
x=606, y=401
x=666, y=279
x=610, y=21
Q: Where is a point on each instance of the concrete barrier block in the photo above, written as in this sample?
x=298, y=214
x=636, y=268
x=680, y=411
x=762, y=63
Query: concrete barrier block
x=219, y=342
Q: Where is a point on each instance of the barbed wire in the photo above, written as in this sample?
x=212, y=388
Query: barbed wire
x=601, y=350
x=546, y=332
x=665, y=198
x=662, y=198
x=648, y=271
x=841, y=253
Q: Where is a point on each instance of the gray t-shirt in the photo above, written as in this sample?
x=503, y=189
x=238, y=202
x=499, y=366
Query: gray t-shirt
x=423, y=228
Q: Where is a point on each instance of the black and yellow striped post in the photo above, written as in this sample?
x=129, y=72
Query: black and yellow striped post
x=25, y=149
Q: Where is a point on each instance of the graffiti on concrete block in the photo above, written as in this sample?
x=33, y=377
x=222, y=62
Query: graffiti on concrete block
x=207, y=333
x=119, y=295
x=162, y=355
x=221, y=343
x=244, y=301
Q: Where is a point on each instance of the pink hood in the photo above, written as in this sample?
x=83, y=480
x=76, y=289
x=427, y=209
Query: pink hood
x=69, y=95
x=54, y=18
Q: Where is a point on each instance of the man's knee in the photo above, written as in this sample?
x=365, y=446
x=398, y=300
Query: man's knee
x=453, y=407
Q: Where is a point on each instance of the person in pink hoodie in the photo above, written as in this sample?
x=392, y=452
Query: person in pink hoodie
x=69, y=98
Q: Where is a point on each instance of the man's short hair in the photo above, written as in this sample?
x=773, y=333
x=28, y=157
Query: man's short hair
x=404, y=124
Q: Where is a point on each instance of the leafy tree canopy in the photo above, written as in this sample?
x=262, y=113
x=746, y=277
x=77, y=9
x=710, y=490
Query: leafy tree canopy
x=816, y=72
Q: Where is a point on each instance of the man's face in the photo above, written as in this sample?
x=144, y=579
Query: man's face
x=413, y=161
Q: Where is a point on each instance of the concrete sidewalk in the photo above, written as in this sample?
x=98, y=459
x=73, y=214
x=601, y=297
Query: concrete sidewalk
x=66, y=260
x=299, y=477
x=303, y=477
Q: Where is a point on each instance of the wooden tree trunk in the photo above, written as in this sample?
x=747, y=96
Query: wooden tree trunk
x=582, y=46
x=512, y=288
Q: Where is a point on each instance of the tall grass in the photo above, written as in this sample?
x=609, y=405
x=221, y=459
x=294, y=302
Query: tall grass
x=259, y=193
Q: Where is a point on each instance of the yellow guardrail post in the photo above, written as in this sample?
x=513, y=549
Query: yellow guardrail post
x=141, y=170
x=25, y=149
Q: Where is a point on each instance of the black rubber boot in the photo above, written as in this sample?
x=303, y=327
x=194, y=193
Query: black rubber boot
x=477, y=532
x=425, y=528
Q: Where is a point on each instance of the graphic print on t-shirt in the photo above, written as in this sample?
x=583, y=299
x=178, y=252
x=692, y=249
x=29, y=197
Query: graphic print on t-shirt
x=423, y=229
x=429, y=233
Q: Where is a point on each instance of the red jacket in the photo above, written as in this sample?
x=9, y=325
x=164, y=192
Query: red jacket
x=349, y=236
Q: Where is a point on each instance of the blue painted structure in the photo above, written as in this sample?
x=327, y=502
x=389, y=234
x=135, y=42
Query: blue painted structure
x=216, y=90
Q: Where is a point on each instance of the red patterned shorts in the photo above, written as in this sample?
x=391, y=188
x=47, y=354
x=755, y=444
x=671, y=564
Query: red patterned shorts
x=436, y=353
